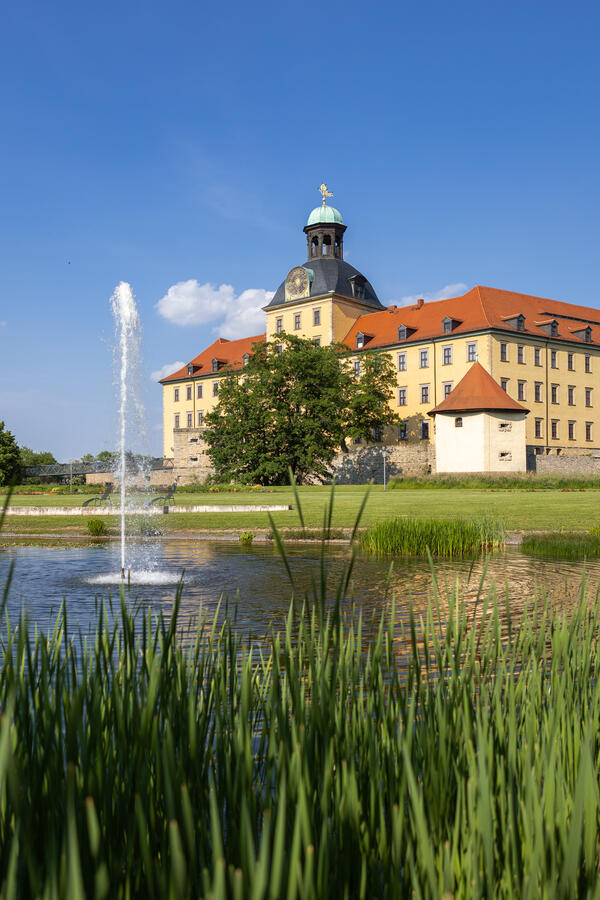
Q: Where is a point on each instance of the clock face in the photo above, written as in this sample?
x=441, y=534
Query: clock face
x=297, y=284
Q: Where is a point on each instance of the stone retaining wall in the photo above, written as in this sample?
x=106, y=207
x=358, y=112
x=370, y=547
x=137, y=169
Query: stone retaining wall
x=568, y=465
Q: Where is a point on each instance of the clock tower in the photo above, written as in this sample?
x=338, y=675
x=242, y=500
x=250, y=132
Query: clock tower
x=322, y=298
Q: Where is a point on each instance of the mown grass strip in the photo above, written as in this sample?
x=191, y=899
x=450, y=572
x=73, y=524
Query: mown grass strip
x=442, y=537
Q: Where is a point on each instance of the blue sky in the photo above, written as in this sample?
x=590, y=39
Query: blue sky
x=169, y=143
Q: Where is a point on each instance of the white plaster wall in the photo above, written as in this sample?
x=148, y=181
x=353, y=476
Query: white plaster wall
x=460, y=449
x=505, y=440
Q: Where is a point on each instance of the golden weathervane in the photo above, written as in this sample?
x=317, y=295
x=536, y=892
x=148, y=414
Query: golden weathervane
x=325, y=193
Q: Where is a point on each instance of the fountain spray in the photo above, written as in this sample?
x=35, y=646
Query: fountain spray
x=127, y=325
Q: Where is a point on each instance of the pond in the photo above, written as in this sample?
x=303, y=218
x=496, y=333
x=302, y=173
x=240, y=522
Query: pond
x=254, y=578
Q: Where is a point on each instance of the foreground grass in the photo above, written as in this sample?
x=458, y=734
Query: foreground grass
x=459, y=758
x=452, y=538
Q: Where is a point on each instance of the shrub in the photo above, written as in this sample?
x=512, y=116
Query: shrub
x=246, y=537
x=96, y=527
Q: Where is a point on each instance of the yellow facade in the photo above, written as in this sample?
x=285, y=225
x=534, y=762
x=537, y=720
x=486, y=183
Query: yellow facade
x=181, y=399
x=335, y=316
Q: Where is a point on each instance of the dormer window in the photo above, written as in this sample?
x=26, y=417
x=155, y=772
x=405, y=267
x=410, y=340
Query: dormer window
x=520, y=323
x=402, y=333
x=357, y=284
x=245, y=359
x=215, y=365
x=360, y=340
x=588, y=335
x=554, y=328
x=517, y=322
x=584, y=334
x=190, y=369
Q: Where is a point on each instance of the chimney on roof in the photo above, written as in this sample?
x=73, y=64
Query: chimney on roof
x=392, y=307
x=420, y=303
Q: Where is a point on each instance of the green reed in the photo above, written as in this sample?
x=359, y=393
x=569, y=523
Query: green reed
x=562, y=544
x=443, y=537
x=458, y=755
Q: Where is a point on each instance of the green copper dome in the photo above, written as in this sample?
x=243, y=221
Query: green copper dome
x=325, y=214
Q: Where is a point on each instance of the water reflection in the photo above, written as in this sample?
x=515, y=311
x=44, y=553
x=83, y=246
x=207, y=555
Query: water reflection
x=255, y=578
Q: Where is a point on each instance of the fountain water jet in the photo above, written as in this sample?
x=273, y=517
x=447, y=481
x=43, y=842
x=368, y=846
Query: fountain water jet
x=127, y=325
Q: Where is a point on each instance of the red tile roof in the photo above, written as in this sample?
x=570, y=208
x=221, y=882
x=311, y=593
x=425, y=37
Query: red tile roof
x=479, y=309
x=477, y=391
x=228, y=353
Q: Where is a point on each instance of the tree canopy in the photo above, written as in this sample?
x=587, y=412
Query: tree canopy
x=10, y=457
x=30, y=457
x=293, y=409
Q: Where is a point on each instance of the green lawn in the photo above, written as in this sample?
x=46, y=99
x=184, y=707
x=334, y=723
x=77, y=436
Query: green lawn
x=518, y=510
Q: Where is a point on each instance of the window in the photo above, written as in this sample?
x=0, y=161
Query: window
x=190, y=420
x=571, y=395
x=538, y=428
x=316, y=316
x=188, y=392
x=588, y=396
x=176, y=420
x=190, y=369
x=447, y=325
x=447, y=388
x=199, y=392
x=279, y=325
x=403, y=431
x=588, y=364
x=588, y=335
x=504, y=384
x=424, y=431
x=424, y=393
x=536, y=357
x=378, y=434
x=200, y=417
x=458, y=422
x=503, y=353
x=570, y=362
x=297, y=322
x=554, y=393
x=504, y=426
x=357, y=367
x=245, y=359
x=215, y=388
x=317, y=341
x=537, y=392
x=447, y=356
x=424, y=359
x=588, y=431
x=520, y=353
x=521, y=323
x=520, y=390
x=402, y=333
x=279, y=349
x=554, y=329
x=215, y=365
x=360, y=340
x=554, y=429
x=402, y=396
x=553, y=360
x=402, y=362
x=472, y=351
x=176, y=395
x=571, y=431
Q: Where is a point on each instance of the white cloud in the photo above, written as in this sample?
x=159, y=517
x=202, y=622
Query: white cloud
x=450, y=290
x=165, y=370
x=191, y=303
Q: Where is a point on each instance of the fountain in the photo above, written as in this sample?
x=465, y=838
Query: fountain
x=127, y=325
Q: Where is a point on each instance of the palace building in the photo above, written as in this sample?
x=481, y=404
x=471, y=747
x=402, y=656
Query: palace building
x=457, y=361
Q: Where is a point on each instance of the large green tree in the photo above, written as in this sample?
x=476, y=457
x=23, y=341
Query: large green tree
x=10, y=457
x=292, y=410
